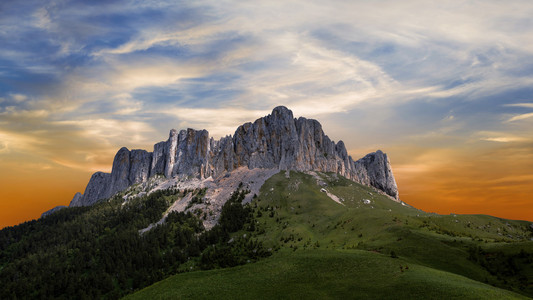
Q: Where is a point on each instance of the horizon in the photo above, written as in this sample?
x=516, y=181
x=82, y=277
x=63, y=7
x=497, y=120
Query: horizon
x=443, y=89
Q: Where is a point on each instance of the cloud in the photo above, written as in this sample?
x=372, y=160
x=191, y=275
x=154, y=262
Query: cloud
x=267, y=34
x=17, y=142
x=83, y=144
x=103, y=65
x=205, y=118
x=79, y=80
x=520, y=117
x=304, y=72
x=152, y=72
x=502, y=136
x=110, y=130
x=524, y=105
x=126, y=104
x=19, y=97
x=301, y=58
x=504, y=139
x=3, y=147
x=12, y=112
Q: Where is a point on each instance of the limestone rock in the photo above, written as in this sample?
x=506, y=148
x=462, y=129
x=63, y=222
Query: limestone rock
x=170, y=152
x=140, y=165
x=375, y=170
x=53, y=210
x=222, y=156
x=97, y=189
x=192, y=159
x=158, y=159
x=76, y=200
x=276, y=141
x=120, y=173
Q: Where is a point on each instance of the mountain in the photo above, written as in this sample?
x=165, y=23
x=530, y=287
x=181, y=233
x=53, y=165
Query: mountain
x=277, y=210
x=275, y=142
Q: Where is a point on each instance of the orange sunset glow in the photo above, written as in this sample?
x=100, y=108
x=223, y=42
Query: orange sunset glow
x=494, y=181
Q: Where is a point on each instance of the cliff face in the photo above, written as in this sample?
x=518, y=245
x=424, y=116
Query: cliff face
x=277, y=141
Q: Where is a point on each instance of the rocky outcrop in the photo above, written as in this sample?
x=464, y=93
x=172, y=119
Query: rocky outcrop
x=76, y=200
x=140, y=165
x=375, y=170
x=97, y=189
x=277, y=141
x=51, y=211
x=158, y=159
x=191, y=154
x=120, y=173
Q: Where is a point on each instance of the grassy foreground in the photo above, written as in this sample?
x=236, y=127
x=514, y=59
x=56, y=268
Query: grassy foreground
x=323, y=274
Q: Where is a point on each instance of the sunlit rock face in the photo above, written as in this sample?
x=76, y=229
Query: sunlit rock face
x=375, y=170
x=277, y=141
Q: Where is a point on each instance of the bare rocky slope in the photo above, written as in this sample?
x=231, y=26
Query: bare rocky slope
x=274, y=142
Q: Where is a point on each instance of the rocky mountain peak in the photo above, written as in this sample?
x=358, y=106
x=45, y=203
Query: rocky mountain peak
x=276, y=141
x=282, y=113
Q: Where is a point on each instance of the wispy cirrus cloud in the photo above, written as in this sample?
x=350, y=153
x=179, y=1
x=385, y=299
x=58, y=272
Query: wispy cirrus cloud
x=526, y=105
x=520, y=117
x=209, y=54
x=79, y=79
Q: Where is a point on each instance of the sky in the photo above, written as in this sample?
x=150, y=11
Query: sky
x=445, y=88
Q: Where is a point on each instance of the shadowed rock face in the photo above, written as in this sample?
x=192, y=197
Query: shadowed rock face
x=375, y=170
x=76, y=201
x=158, y=159
x=140, y=165
x=97, y=189
x=277, y=141
x=53, y=210
x=120, y=173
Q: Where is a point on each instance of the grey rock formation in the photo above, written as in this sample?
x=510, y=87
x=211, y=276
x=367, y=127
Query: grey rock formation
x=277, y=141
x=120, y=173
x=170, y=152
x=53, y=210
x=129, y=167
x=97, y=189
x=158, y=159
x=76, y=200
x=191, y=154
x=222, y=155
x=375, y=170
x=140, y=165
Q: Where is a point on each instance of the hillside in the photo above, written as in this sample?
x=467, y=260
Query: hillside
x=324, y=274
x=325, y=234
x=362, y=248
x=103, y=250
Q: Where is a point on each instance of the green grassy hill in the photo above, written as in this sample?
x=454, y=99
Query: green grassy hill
x=360, y=249
x=323, y=274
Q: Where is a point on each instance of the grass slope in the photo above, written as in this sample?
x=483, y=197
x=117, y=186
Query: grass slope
x=323, y=274
x=331, y=250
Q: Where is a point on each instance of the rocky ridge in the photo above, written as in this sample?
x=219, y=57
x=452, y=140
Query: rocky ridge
x=51, y=211
x=277, y=141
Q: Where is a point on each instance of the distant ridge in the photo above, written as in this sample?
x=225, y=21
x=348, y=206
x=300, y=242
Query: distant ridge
x=276, y=141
